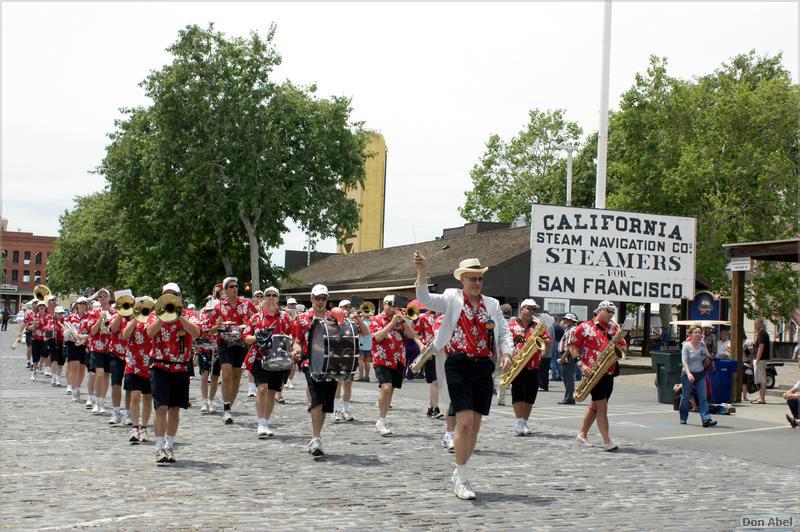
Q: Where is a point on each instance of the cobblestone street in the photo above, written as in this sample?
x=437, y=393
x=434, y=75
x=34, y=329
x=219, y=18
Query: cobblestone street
x=63, y=467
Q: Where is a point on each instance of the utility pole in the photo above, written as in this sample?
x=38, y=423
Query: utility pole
x=569, y=148
x=602, y=135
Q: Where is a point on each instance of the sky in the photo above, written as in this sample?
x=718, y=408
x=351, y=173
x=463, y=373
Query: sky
x=437, y=79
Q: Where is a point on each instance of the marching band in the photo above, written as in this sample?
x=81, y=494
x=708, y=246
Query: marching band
x=150, y=348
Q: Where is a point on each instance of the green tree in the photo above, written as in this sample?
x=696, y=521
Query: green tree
x=512, y=176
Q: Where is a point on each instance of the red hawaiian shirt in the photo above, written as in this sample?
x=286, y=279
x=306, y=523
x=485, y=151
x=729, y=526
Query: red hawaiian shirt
x=99, y=343
x=391, y=351
x=169, y=346
x=282, y=323
x=118, y=346
x=40, y=324
x=76, y=320
x=137, y=357
x=520, y=335
x=302, y=325
x=470, y=335
x=592, y=337
x=239, y=314
x=58, y=329
x=424, y=327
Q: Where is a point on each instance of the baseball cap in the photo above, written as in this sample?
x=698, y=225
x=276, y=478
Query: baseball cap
x=319, y=290
x=173, y=287
x=606, y=305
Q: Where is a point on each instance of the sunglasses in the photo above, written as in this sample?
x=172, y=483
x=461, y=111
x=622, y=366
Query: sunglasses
x=320, y=298
x=270, y=295
x=474, y=279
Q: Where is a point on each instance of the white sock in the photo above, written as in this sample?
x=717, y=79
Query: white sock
x=170, y=441
x=339, y=405
x=520, y=420
x=262, y=422
x=461, y=471
x=347, y=406
x=382, y=419
x=160, y=443
x=116, y=411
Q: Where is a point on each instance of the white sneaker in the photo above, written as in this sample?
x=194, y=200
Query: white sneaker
x=444, y=441
x=251, y=392
x=102, y=410
x=227, y=417
x=58, y=380
x=382, y=428
x=337, y=417
x=134, y=436
x=463, y=489
x=346, y=416
x=143, y=435
x=69, y=389
x=520, y=428
x=583, y=441
x=89, y=403
x=610, y=446
x=116, y=419
x=290, y=385
x=261, y=432
x=128, y=420
x=315, y=447
x=211, y=408
x=526, y=428
x=33, y=375
x=96, y=409
x=204, y=409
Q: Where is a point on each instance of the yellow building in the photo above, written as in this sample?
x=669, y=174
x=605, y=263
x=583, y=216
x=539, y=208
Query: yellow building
x=371, y=200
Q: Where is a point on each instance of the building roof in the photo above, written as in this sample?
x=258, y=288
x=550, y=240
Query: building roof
x=774, y=250
x=394, y=266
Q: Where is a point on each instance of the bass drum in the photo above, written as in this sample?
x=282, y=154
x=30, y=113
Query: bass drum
x=205, y=349
x=278, y=356
x=333, y=350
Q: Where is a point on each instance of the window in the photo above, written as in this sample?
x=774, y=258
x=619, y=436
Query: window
x=14, y=276
x=38, y=257
x=26, y=276
x=15, y=257
x=37, y=277
x=27, y=257
x=5, y=253
x=556, y=306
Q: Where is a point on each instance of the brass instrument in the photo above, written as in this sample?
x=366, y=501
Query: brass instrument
x=125, y=305
x=600, y=366
x=367, y=309
x=41, y=292
x=412, y=313
x=142, y=309
x=168, y=308
x=534, y=343
x=71, y=333
x=105, y=321
x=419, y=363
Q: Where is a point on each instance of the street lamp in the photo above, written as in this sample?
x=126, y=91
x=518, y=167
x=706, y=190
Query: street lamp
x=569, y=148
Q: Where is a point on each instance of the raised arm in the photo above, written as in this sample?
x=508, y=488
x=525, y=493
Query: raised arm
x=437, y=302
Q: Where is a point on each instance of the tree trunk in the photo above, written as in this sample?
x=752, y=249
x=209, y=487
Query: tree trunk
x=226, y=260
x=250, y=227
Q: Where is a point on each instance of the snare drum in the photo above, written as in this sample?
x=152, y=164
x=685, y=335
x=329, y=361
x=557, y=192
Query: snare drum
x=333, y=350
x=277, y=354
x=231, y=334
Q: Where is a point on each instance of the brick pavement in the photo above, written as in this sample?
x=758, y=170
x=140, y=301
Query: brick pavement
x=62, y=467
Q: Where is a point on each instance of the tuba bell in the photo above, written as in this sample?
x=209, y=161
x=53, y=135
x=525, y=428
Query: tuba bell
x=367, y=309
x=41, y=292
x=125, y=304
x=169, y=308
x=142, y=309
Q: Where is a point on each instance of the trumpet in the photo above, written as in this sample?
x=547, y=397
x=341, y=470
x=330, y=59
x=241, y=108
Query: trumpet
x=412, y=313
x=125, y=305
x=142, y=309
x=41, y=292
x=169, y=308
x=105, y=321
x=367, y=309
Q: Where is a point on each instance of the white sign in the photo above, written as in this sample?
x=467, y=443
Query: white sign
x=622, y=256
x=740, y=264
x=10, y=287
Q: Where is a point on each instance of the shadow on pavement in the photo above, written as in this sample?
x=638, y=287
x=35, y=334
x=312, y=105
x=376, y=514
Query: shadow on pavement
x=485, y=498
x=634, y=450
x=351, y=459
x=198, y=465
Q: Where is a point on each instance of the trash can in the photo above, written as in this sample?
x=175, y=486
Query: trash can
x=667, y=367
x=722, y=380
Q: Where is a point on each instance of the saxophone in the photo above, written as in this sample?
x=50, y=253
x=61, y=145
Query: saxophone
x=419, y=363
x=532, y=345
x=600, y=367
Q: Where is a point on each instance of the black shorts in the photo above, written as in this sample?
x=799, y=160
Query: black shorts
x=38, y=350
x=232, y=354
x=430, y=370
x=117, y=370
x=525, y=387
x=322, y=393
x=470, y=383
x=603, y=388
x=76, y=353
x=27, y=338
x=169, y=389
x=57, y=354
x=206, y=364
x=273, y=379
x=137, y=383
x=390, y=376
x=99, y=360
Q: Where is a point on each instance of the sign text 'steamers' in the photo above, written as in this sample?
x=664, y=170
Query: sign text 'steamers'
x=600, y=254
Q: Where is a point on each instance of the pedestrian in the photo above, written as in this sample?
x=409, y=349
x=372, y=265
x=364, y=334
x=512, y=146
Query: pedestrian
x=694, y=354
x=710, y=339
x=761, y=349
x=555, y=364
x=5, y=316
x=568, y=364
x=473, y=332
x=792, y=397
x=723, y=345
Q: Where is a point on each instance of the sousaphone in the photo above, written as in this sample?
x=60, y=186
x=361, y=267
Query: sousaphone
x=169, y=308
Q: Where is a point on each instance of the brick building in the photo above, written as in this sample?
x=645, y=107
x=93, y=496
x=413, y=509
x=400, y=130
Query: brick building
x=24, y=260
